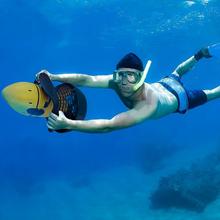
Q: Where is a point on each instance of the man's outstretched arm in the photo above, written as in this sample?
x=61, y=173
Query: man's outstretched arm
x=122, y=120
x=80, y=79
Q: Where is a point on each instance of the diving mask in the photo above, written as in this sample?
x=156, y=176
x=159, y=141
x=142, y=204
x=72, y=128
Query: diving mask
x=131, y=76
x=134, y=77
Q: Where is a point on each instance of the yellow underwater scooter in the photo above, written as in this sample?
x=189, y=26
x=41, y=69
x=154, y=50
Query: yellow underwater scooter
x=41, y=98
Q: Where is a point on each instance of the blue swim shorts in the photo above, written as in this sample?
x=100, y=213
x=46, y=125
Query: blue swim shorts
x=194, y=97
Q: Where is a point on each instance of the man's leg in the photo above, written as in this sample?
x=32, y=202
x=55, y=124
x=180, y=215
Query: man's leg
x=185, y=66
x=200, y=97
x=212, y=93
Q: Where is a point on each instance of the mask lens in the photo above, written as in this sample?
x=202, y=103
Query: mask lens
x=132, y=77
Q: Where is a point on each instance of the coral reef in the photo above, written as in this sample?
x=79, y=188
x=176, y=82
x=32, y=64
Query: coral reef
x=192, y=188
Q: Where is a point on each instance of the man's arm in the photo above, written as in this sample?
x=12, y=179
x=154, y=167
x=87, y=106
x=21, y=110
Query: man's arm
x=78, y=79
x=122, y=120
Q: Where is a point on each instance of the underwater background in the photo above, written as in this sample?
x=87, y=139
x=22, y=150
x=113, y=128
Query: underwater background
x=107, y=176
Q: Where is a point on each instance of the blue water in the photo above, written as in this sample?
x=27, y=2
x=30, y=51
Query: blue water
x=102, y=176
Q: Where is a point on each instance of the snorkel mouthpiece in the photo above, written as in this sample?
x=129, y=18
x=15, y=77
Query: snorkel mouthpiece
x=144, y=75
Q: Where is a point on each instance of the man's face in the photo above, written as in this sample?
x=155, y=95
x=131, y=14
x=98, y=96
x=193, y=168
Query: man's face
x=128, y=78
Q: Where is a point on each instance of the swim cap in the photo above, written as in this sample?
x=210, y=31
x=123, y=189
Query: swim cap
x=130, y=61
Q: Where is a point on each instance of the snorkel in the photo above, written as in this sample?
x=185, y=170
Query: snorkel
x=144, y=75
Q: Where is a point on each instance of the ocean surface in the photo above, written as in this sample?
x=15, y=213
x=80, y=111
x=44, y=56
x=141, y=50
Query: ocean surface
x=104, y=176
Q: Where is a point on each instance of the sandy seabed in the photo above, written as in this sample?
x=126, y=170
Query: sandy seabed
x=121, y=194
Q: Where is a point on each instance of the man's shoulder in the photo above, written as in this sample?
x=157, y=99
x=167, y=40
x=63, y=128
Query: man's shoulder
x=150, y=99
x=112, y=84
x=146, y=108
x=151, y=91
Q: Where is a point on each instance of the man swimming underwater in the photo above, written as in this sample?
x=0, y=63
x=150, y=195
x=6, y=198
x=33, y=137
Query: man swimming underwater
x=144, y=100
